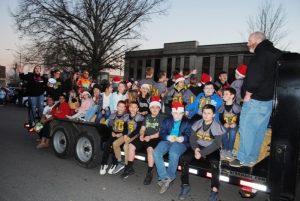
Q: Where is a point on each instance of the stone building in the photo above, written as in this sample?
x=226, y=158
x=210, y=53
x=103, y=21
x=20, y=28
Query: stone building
x=211, y=59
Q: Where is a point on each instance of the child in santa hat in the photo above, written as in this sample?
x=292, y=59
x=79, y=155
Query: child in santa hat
x=149, y=138
x=174, y=134
x=178, y=93
x=240, y=74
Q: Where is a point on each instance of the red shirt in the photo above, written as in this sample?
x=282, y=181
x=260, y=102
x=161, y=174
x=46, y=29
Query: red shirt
x=61, y=111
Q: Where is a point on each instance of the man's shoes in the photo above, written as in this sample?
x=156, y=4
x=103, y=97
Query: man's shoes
x=127, y=172
x=148, y=178
x=165, y=185
x=236, y=163
x=213, y=196
x=112, y=169
x=103, y=169
x=185, y=189
x=119, y=167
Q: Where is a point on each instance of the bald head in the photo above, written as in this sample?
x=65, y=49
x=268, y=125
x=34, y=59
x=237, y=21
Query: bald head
x=254, y=39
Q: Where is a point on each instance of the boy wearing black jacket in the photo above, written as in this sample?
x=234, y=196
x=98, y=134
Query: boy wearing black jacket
x=118, y=126
x=205, y=141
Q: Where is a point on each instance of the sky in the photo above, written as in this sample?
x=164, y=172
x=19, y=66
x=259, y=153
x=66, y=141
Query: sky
x=208, y=22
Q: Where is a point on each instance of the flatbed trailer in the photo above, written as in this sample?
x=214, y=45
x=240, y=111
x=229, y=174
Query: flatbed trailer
x=277, y=173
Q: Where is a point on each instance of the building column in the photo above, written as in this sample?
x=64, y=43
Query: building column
x=212, y=65
x=181, y=62
x=173, y=64
x=225, y=63
x=240, y=59
x=152, y=63
x=164, y=63
x=192, y=64
x=199, y=63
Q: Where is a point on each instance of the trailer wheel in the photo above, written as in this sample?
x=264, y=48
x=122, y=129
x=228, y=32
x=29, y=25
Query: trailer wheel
x=63, y=143
x=87, y=149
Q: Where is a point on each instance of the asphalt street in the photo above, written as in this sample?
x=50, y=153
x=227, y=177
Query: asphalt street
x=28, y=174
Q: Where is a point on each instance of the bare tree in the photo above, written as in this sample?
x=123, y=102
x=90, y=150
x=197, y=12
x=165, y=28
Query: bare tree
x=271, y=20
x=90, y=33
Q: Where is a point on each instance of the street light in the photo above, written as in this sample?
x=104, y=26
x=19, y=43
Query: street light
x=20, y=60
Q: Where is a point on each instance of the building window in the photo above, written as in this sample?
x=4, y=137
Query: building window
x=247, y=59
x=205, y=65
x=177, y=62
x=131, y=72
x=186, y=62
x=131, y=66
x=156, y=69
x=148, y=62
x=218, y=67
x=169, y=67
x=139, y=69
x=233, y=62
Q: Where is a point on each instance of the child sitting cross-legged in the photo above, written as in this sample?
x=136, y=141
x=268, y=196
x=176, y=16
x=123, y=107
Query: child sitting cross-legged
x=118, y=126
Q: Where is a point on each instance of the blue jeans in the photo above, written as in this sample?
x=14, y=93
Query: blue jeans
x=91, y=112
x=36, y=103
x=175, y=150
x=254, y=119
x=228, y=139
x=100, y=115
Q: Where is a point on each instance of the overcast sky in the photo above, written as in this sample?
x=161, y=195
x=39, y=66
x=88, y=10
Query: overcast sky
x=208, y=22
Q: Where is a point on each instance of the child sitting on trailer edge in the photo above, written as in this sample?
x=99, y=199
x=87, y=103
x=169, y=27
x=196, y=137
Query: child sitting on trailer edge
x=118, y=126
x=149, y=138
x=205, y=141
x=134, y=124
x=174, y=133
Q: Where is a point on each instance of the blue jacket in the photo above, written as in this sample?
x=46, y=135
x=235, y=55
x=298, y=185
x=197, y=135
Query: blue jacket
x=193, y=108
x=185, y=129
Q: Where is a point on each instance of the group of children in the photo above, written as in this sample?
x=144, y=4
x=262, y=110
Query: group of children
x=189, y=120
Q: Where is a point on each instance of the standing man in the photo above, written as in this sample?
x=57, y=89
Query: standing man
x=257, y=107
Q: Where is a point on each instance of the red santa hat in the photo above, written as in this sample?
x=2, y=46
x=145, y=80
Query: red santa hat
x=205, y=78
x=116, y=79
x=179, y=78
x=241, y=70
x=155, y=101
x=177, y=107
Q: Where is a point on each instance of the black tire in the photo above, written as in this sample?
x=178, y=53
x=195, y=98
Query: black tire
x=87, y=149
x=62, y=143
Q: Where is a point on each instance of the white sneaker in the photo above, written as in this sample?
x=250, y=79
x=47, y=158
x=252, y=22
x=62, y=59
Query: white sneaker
x=103, y=169
x=111, y=169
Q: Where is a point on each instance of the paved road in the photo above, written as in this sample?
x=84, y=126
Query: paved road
x=28, y=174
